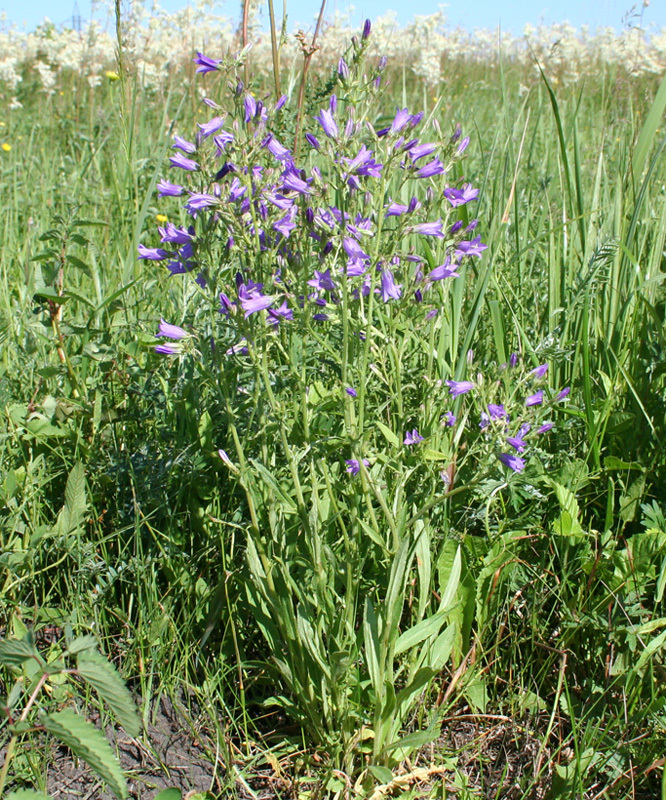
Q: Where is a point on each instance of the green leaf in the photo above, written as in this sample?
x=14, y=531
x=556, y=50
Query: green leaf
x=649, y=132
x=288, y=505
x=88, y=743
x=105, y=680
x=418, y=739
x=27, y=794
x=390, y=437
x=382, y=774
x=371, y=639
x=76, y=262
x=419, y=632
x=40, y=427
x=50, y=294
x=72, y=515
x=81, y=643
x=15, y=652
x=169, y=794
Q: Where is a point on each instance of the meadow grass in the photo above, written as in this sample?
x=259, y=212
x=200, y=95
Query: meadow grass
x=563, y=576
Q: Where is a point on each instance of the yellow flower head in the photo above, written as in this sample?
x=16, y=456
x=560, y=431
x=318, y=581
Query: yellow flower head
x=161, y=218
x=112, y=76
x=6, y=147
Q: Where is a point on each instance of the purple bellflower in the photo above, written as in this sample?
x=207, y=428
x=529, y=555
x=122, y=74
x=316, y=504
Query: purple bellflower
x=171, y=331
x=209, y=128
x=322, y=281
x=354, y=466
x=513, y=462
x=535, y=399
x=276, y=315
x=445, y=270
x=184, y=145
x=389, y=288
x=153, y=253
x=206, y=64
x=412, y=437
x=166, y=189
x=539, y=371
x=473, y=248
x=427, y=229
x=329, y=125
x=459, y=387
x=458, y=197
x=182, y=162
x=449, y=419
x=434, y=167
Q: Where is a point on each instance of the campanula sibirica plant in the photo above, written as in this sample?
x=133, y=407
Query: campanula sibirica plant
x=323, y=282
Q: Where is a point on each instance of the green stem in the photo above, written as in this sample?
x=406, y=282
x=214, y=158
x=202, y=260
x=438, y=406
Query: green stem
x=275, y=50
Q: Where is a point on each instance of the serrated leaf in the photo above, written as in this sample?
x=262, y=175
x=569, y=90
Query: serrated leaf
x=47, y=293
x=82, y=643
x=15, y=652
x=78, y=263
x=89, y=744
x=27, y=794
x=169, y=794
x=100, y=673
x=72, y=514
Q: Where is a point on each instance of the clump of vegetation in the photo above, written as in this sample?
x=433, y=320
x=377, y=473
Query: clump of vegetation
x=388, y=467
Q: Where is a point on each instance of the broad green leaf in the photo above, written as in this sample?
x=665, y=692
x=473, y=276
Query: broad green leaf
x=390, y=437
x=656, y=644
x=81, y=643
x=418, y=739
x=105, y=680
x=75, y=495
x=27, y=794
x=89, y=744
x=451, y=590
x=419, y=632
x=169, y=794
x=395, y=594
x=288, y=505
x=15, y=652
x=382, y=774
x=47, y=293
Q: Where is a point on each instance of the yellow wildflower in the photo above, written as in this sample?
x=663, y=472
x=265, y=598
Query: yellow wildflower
x=112, y=76
x=6, y=147
x=162, y=218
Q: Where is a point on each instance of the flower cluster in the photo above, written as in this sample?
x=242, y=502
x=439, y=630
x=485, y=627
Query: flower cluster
x=510, y=427
x=343, y=233
x=308, y=236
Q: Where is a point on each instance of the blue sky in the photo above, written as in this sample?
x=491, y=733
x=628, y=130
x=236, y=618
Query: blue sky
x=511, y=14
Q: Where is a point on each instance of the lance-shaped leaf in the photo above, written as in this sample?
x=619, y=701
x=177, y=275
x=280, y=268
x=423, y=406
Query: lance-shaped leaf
x=89, y=744
x=96, y=670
